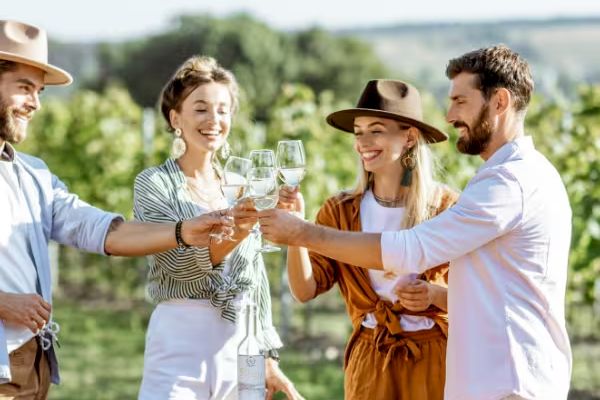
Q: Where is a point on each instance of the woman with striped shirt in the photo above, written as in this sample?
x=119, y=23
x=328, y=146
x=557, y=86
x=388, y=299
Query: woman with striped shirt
x=194, y=332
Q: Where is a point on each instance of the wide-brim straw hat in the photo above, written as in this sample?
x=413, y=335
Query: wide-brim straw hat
x=388, y=98
x=27, y=44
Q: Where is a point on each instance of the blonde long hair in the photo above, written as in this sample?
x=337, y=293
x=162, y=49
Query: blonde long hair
x=424, y=194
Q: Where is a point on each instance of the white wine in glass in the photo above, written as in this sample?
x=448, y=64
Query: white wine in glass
x=291, y=161
x=234, y=184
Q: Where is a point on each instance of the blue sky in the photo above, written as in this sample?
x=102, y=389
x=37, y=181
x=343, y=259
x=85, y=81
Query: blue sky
x=117, y=19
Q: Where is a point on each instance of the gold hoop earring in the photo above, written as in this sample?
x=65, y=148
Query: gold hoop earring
x=178, y=147
x=409, y=163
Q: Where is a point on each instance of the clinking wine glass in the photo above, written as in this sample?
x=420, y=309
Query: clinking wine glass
x=234, y=184
x=235, y=181
x=262, y=158
x=263, y=189
x=291, y=161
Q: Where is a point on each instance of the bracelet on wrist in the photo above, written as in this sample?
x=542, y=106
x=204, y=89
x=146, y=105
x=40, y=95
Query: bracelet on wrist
x=180, y=242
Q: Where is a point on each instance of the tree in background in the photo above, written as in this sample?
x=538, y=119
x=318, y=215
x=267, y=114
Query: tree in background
x=262, y=59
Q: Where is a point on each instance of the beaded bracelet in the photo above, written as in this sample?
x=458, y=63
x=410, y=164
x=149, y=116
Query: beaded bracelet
x=180, y=242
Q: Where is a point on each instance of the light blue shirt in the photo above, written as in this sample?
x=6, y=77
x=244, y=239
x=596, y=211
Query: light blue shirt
x=507, y=240
x=57, y=215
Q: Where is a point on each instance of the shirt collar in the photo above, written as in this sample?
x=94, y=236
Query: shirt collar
x=7, y=153
x=522, y=143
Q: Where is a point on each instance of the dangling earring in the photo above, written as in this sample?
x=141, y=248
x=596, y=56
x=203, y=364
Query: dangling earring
x=178, y=148
x=409, y=163
x=225, y=151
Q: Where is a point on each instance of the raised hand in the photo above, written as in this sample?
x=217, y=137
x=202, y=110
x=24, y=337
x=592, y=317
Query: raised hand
x=281, y=226
x=195, y=231
x=291, y=199
x=245, y=216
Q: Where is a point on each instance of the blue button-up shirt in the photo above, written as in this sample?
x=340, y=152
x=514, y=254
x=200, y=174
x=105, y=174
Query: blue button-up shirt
x=57, y=215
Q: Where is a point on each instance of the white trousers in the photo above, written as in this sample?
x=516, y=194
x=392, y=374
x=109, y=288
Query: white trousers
x=191, y=353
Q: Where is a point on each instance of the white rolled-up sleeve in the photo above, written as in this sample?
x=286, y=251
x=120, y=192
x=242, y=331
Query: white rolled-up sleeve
x=491, y=205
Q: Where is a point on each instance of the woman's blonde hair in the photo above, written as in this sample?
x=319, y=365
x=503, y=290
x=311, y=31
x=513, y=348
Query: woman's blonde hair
x=423, y=197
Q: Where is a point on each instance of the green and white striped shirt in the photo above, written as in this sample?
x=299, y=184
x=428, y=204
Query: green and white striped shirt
x=160, y=195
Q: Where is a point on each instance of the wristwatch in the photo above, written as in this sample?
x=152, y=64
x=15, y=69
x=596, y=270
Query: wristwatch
x=272, y=354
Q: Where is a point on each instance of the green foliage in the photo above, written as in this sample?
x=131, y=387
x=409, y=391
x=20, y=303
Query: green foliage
x=261, y=58
x=569, y=135
x=93, y=143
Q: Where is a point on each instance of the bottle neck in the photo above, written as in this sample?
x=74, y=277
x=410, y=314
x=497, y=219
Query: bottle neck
x=251, y=320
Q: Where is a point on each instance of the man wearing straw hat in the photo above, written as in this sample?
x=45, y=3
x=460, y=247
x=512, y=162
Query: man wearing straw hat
x=36, y=207
x=507, y=239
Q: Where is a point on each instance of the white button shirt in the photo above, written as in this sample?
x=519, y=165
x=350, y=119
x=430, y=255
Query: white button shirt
x=507, y=239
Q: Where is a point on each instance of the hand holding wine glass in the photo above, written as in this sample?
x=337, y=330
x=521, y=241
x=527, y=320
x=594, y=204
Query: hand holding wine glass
x=234, y=184
x=292, y=200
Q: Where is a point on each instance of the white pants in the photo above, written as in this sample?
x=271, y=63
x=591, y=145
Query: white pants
x=191, y=353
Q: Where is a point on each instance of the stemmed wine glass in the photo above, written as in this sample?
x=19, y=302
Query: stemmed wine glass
x=263, y=189
x=234, y=184
x=291, y=161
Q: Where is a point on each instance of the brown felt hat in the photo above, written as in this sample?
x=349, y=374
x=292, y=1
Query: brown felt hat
x=388, y=99
x=27, y=44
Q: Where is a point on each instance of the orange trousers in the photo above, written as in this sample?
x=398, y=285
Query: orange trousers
x=30, y=374
x=412, y=369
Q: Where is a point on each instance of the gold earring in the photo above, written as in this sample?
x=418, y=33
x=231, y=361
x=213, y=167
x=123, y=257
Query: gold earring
x=409, y=163
x=225, y=151
x=178, y=148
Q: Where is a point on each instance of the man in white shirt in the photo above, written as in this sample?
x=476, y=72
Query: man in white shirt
x=507, y=239
x=36, y=207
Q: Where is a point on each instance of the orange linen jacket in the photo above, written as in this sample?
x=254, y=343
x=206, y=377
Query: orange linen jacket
x=343, y=212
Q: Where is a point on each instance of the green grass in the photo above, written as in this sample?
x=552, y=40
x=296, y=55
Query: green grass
x=102, y=349
x=102, y=354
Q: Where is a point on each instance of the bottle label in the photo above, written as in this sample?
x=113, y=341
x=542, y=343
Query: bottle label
x=251, y=377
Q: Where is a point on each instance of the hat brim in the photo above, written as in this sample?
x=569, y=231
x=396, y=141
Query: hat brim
x=344, y=121
x=53, y=76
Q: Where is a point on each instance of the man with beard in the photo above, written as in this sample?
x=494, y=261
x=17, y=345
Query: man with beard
x=507, y=239
x=36, y=207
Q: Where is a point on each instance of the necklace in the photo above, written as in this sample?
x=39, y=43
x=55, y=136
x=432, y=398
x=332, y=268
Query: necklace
x=213, y=198
x=395, y=203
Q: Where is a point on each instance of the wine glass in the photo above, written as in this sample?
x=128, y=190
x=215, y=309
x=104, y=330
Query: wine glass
x=233, y=185
x=235, y=182
x=262, y=158
x=291, y=161
x=263, y=189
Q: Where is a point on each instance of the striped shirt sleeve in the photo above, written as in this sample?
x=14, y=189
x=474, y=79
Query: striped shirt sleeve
x=152, y=204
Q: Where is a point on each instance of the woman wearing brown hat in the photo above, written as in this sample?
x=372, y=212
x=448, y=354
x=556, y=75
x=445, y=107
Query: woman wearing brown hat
x=397, y=349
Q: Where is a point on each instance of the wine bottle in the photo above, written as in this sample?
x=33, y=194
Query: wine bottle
x=250, y=361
